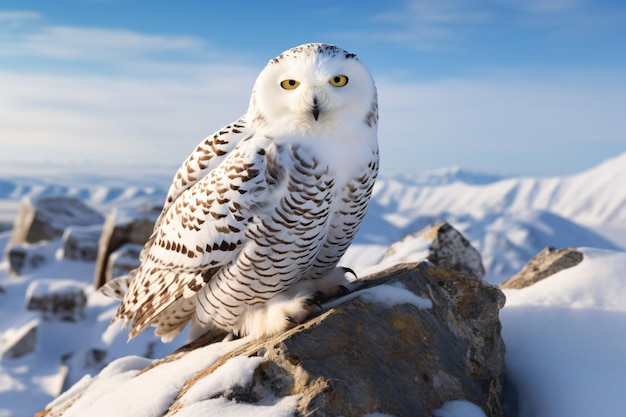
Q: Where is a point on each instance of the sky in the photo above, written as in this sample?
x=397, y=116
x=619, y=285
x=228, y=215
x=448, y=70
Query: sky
x=511, y=87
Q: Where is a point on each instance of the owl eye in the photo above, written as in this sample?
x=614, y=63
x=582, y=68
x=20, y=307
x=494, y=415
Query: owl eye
x=338, y=80
x=289, y=84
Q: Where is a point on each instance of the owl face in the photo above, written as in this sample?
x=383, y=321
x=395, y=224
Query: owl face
x=312, y=89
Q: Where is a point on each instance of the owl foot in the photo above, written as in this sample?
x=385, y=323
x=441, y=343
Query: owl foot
x=296, y=305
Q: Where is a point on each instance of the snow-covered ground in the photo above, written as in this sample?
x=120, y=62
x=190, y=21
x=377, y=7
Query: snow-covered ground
x=565, y=336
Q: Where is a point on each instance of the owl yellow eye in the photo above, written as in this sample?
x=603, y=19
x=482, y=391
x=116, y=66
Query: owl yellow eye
x=338, y=80
x=289, y=84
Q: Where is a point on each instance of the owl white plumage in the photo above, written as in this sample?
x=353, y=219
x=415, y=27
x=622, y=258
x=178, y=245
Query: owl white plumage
x=259, y=215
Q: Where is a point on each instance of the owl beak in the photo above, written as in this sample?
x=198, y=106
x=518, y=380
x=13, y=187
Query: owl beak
x=316, y=109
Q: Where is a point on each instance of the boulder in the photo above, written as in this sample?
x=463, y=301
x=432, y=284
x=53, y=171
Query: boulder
x=80, y=243
x=547, y=262
x=46, y=218
x=405, y=342
x=123, y=260
x=57, y=299
x=441, y=244
x=120, y=229
x=20, y=342
x=24, y=257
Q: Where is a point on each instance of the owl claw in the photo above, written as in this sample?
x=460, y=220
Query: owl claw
x=349, y=271
x=343, y=290
x=291, y=320
x=314, y=301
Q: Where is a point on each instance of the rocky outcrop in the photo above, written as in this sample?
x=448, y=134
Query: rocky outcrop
x=441, y=244
x=22, y=342
x=406, y=341
x=46, y=218
x=121, y=229
x=547, y=262
x=81, y=243
x=123, y=260
x=57, y=299
x=23, y=257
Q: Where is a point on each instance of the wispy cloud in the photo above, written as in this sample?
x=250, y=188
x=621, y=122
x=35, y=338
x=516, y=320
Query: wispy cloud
x=562, y=118
x=87, y=43
x=447, y=24
x=90, y=93
x=30, y=37
x=425, y=24
x=18, y=16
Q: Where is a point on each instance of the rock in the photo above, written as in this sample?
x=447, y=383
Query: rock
x=120, y=229
x=441, y=244
x=24, y=257
x=57, y=299
x=123, y=260
x=20, y=342
x=45, y=218
x=407, y=341
x=80, y=243
x=547, y=262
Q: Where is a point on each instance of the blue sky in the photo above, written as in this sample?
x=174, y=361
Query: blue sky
x=530, y=87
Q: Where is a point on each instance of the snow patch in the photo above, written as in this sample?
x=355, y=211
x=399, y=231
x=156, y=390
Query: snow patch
x=459, y=408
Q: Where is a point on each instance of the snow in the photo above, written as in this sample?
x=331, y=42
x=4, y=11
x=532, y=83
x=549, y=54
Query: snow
x=283, y=407
x=565, y=336
x=388, y=295
x=459, y=408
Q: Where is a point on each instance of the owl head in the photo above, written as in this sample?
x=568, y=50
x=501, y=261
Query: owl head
x=314, y=89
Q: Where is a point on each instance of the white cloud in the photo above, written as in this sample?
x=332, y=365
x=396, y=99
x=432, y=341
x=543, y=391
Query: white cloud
x=89, y=44
x=425, y=24
x=18, y=16
x=85, y=117
x=545, y=6
x=479, y=123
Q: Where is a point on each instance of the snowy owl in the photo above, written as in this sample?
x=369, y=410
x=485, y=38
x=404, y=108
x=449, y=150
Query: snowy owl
x=258, y=216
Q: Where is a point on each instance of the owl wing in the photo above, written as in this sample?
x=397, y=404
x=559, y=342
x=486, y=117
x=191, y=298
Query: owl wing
x=207, y=156
x=199, y=232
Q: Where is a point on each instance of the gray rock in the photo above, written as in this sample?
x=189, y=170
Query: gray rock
x=57, y=299
x=80, y=243
x=547, y=262
x=23, y=342
x=441, y=244
x=120, y=229
x=45, y=218
x=367, y=356
x=123, y=260
x=25, y=257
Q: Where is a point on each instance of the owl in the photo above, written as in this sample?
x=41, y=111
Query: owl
x=259, y=215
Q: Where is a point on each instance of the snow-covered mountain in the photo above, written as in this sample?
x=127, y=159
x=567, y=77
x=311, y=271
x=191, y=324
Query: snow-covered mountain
x=507, y=220
x=596, y=196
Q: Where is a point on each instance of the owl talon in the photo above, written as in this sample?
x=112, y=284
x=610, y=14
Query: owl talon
x=343, y=290
x=291, y=320
x=314, y=301
x=349, y=271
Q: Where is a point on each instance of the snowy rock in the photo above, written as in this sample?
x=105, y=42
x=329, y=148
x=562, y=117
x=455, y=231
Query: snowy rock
x=441, y=244
x=24, y=257
x=120, y=229
x=416, y=329
x=123, y=260
x=21, y=341
x=57, y=299
x=81, y=243
x=45, y=218
x=547, y=262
